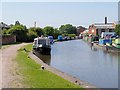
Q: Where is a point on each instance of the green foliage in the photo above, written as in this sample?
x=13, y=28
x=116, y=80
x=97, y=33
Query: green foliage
x=56, y=33
x=67, y=29
x=48, y=31
x=20, y=32
x=117, y=29
x=34, y=77
x=31, y=35
x=6, y=35
x=69, y=35
x=4, y=31
x=37, y=30
x=23, y=34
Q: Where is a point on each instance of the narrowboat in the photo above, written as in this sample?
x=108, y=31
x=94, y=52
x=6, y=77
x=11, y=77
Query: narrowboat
x=42, y=45
x=51, y=39
x=115, y=45
x=60, y=38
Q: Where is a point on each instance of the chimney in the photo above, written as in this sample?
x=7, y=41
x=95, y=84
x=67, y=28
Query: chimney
x=105, y=20
x=35, y=24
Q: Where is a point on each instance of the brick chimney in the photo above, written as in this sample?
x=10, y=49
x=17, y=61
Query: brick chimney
x=105, y=20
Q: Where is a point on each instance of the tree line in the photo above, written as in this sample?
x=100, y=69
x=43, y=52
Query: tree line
x=24, y=34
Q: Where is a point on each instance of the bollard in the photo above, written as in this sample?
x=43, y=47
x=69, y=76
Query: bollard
x=42, y=67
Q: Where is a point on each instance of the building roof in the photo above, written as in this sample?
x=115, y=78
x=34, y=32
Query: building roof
x=3, y=25
x=81, y=27
x=103, y=25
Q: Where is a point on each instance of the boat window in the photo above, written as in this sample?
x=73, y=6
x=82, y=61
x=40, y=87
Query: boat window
x=43, y=42
x=48, y=42
x=35, y=42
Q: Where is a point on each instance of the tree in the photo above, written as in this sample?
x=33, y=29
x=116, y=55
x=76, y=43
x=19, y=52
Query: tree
x=67, y=29
x=117, y=29
x=56, y=33
x=31, y=35
x=4, y=31
x=37, y=30
x=17, y=23
x=48, y=31
x=20, y=32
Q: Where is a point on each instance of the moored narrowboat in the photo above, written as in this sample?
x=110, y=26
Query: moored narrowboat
x=42, y=45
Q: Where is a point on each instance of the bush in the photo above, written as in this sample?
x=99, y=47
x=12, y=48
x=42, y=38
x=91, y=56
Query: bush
x=20, y=32
x=31, y=35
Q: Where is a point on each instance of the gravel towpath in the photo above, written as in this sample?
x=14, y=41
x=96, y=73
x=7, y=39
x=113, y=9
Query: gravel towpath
x=9, y=77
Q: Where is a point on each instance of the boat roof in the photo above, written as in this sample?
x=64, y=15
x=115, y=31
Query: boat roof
x=45, y=38
x=102, y=25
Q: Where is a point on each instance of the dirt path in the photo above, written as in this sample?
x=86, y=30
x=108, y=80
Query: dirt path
x=8, y=71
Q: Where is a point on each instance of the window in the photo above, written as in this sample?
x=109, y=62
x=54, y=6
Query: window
x=43, y=42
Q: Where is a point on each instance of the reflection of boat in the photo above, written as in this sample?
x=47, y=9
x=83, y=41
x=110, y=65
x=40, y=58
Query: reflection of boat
x=45, y=58
x=42, y=45
x=115, y=45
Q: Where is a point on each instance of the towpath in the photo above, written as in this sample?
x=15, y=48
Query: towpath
x=8, y=67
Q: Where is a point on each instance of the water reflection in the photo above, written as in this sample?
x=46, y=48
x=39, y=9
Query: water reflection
x=94, y=49
x=45, y=58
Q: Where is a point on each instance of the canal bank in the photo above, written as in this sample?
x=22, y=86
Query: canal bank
x=60, y=73
x=105, y=48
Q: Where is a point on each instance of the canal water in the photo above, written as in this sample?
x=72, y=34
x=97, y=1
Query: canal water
x=76, y=58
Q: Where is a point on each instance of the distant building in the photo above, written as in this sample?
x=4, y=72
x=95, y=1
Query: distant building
x=98, y=28
x=4, y=26
x=80, y=29
x=85, y=32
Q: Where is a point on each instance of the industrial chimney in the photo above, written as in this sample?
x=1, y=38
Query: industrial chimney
x=105, y=20
x=35, y=24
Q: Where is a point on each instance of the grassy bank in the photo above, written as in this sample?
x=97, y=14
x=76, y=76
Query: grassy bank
x=34, y=77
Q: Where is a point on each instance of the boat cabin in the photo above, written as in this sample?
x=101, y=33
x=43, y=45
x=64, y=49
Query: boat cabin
x=42, y=45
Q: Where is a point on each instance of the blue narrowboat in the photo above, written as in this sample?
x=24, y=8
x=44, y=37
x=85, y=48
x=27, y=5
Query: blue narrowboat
x=60, y=38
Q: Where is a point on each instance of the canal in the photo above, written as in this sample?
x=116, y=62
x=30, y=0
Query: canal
x=76, y=58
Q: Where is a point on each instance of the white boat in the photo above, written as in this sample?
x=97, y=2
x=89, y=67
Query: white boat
x=42, y=45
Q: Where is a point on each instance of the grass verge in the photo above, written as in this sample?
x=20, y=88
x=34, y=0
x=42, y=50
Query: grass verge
x=34, y=77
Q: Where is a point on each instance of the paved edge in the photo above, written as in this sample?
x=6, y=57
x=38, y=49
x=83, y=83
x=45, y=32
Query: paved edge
x=60, y=73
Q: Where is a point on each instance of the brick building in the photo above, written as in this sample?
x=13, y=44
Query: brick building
x=98, y=28
x=80, y=29
x=8, y=39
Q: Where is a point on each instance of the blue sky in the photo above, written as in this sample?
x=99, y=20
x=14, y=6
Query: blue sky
x=58, y=13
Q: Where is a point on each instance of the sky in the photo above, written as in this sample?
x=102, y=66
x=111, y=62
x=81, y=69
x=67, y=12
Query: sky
x=58, y=13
